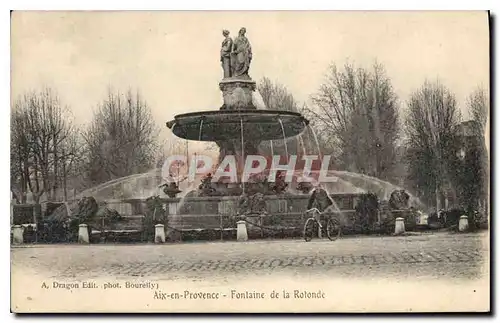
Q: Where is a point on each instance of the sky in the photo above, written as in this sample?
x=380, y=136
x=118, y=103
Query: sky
x=172, y=58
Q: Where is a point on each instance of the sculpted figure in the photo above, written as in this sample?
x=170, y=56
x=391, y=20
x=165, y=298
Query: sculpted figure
x=225, y=53
x=399, y=200
x=241, y=55
x=304, y=187
x=252, y=204
x=280, y=183
x=206, y=188
x=170, y=189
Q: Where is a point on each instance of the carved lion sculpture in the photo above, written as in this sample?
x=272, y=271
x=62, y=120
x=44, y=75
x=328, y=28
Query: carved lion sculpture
x=399, y=199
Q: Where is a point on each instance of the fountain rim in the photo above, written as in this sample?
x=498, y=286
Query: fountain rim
x=273, y=113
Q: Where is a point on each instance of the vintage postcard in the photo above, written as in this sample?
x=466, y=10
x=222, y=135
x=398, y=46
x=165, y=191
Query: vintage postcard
x=250, y=162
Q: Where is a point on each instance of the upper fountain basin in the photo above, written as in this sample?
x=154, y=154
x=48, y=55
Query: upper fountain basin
x=227, y=124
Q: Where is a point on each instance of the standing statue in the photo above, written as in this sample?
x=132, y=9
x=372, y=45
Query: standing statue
x=225, y=53
x=241, y=55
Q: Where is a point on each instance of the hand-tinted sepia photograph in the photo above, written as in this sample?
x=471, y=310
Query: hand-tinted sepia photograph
x=250, y=162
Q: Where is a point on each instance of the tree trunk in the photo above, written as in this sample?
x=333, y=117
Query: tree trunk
x=65, y=187
x=65, y=177
x=36, y=197
x=56, y=170
x=438, y=198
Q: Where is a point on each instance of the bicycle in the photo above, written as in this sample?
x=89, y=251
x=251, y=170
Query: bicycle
x=333, y=228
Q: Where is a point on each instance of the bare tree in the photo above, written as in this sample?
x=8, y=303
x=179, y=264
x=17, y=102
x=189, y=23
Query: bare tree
x=356, y=110
x=73, y=166
x=20, y=154
x=474, y=175
x=41, y=136
x=174, y=146
x=431, y=126
x=277, y=97
x=478, y=105
x=171, y=146
x=121, y=139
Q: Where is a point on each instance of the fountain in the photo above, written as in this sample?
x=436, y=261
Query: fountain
x=238, y=127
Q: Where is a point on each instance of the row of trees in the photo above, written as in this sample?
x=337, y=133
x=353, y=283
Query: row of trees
x=423, y=144
x=44, y=147
x=48, y=151
x=448, y=159
x=355, y=115
x=122, y=138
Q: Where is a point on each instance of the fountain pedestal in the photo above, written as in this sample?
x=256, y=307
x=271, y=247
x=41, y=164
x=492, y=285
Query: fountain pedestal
x=238, y=127
x=237, y=93
x=173, y=208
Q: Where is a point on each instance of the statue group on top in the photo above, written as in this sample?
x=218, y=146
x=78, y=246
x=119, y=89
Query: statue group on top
x=235, y=55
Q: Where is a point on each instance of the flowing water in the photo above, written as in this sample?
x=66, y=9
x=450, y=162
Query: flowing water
x=284, y=137
x=123, y=187
x=258, y=101
x=146, y=184
x=315, y=139
x=371, y=183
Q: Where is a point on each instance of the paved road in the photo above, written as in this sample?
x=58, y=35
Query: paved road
x=442, y=255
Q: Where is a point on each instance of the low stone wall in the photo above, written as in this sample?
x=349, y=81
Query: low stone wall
x=410, y=219
x=26, y=213
x=130, y=228
x=207, y=218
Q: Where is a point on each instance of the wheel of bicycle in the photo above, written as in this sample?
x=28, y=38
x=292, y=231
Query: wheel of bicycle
x=309, y=229
x=333, y=229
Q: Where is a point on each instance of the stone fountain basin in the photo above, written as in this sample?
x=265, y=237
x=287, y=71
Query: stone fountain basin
x=224, y=125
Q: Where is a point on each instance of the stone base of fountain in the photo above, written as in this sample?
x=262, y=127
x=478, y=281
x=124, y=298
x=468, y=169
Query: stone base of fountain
x=237, y=93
